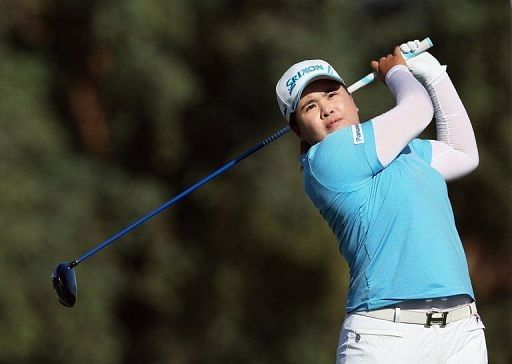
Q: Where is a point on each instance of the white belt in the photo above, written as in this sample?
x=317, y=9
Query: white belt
x=425, y=317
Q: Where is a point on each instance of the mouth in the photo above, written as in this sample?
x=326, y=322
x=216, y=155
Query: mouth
x=333, y=124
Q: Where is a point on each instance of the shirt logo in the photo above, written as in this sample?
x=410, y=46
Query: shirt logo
x=293, y=80
x=357, y=134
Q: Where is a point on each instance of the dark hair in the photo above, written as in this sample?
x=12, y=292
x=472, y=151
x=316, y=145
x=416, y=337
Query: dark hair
x=304, y=146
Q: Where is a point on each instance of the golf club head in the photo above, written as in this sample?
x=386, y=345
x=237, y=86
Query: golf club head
x=64, y=283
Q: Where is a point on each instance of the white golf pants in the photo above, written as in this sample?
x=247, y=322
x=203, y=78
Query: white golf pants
x=369, y=340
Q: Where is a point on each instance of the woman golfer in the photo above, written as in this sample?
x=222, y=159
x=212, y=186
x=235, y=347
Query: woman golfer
x=383, y=192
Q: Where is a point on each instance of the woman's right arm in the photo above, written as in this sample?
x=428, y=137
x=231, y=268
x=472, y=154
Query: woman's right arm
x=413, y=111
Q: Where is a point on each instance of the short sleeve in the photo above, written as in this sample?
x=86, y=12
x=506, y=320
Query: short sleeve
x=346, y=159
x=423, y=148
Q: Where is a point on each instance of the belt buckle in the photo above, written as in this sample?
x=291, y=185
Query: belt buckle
x=436, y=320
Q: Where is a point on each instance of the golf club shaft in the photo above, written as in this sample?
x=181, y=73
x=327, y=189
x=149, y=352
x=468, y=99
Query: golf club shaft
x=370, y=77
x=181, y=195
x=425, y=44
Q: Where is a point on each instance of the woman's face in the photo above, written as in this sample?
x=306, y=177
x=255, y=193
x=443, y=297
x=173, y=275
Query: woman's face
x=325, y=106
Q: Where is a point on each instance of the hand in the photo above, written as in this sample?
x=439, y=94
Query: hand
x=386, y=63
x=425, y=67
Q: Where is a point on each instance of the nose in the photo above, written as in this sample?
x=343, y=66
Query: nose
x=326, y=109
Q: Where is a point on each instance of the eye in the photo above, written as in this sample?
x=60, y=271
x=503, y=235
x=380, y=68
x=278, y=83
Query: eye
x=309, y=107
x=332, y=94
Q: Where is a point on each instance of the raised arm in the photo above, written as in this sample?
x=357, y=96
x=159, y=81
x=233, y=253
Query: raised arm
x=411, y=115
x=455, y=152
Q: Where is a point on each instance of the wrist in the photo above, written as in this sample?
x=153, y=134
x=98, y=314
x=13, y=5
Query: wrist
x=436, y=77
x=437, y=81
x=392, y=71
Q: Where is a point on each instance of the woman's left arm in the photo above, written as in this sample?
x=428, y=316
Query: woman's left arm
x=454, y=153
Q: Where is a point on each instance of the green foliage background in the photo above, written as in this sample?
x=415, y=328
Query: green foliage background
x=108, y=108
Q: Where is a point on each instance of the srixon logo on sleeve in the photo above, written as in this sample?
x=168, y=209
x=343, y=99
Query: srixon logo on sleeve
x=293, y=80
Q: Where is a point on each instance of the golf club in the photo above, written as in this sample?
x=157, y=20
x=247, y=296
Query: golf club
x=64, y=276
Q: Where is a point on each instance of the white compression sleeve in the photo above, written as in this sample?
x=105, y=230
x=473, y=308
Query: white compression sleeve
x=413, y=112
x=454, y=153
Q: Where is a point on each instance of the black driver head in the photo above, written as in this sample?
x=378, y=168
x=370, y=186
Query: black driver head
x=64, y=282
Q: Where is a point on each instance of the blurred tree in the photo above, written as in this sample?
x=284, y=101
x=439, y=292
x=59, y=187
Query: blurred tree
x=110, y=107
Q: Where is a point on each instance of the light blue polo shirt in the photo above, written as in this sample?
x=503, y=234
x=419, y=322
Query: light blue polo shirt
x=394, y=225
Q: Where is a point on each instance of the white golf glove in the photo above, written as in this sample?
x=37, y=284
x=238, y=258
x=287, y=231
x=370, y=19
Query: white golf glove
x=425, y=67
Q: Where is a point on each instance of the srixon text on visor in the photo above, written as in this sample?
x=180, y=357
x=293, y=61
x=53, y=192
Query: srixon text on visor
x=293, y=80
